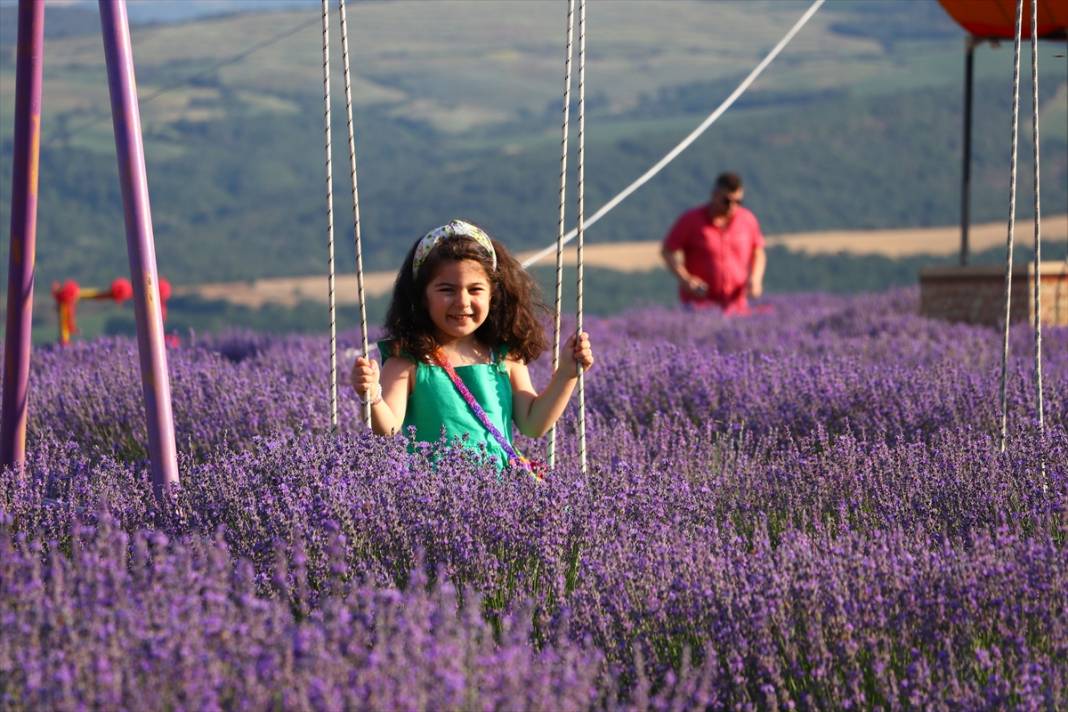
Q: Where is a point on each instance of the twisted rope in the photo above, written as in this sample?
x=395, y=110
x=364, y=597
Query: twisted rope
x=329, y=217
x=1038, y=229
x=355, y=195
x=580, y=227
x=561, y=221
x=1012, y=221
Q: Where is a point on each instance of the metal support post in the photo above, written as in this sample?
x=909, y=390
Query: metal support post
x=20, y=273
x=140, y=245
x=966, y=161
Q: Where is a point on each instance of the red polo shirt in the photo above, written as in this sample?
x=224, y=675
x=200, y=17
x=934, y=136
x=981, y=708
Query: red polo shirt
x=722, y=257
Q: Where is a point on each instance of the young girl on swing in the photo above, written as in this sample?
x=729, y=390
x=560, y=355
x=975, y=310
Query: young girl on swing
x=462, y=328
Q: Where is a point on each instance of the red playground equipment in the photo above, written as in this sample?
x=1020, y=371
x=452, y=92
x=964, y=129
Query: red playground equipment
x=67, y=295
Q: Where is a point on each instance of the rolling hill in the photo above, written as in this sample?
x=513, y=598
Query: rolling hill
x=856, y=126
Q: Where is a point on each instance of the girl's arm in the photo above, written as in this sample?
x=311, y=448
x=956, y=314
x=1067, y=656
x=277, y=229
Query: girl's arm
x=393, y=385
x=535, y=414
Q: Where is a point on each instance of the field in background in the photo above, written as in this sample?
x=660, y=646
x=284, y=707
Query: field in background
x=644, y=257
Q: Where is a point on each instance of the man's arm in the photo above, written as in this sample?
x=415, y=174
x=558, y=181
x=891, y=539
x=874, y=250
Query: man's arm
x=756, y=272
x=676, y=264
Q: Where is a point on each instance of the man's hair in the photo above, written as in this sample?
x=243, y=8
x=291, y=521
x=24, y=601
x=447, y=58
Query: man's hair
x=728, y=182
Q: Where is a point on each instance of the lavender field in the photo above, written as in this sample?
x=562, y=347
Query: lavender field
x=805, y=509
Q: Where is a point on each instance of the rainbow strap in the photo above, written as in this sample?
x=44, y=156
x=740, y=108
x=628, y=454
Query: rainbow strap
x=483, y=417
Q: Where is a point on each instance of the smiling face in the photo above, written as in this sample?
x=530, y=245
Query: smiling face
x=458, y=299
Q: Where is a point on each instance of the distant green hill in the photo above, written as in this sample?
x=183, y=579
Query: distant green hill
x=838, y=164
x=856, y=126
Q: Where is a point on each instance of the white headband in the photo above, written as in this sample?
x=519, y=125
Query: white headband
x=454, y=228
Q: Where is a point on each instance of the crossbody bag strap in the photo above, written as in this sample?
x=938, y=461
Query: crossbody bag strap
x=480, y=412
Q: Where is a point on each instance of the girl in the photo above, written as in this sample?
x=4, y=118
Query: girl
x=462, y=328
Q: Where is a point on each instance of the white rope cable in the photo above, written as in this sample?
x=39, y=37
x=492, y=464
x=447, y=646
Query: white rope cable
x=1038, y=231
x=560, y=224
x=579, y=226
x=355, y=194
x=693, y=136
x=1012, y=221
x=329, y=217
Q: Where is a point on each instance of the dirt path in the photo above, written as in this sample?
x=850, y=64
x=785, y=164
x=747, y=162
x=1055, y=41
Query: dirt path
x=644, y=256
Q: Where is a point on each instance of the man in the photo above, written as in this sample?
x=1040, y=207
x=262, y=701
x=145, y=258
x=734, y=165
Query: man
x=717, y=251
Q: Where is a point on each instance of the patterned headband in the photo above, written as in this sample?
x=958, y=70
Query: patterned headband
x=454, y=228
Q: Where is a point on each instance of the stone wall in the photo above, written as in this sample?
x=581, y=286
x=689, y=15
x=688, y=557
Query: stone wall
x=976, y=295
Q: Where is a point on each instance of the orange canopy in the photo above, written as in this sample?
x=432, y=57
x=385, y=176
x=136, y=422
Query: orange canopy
x=996, y=19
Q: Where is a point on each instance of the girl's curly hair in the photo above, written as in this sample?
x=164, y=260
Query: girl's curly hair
x=514, y=303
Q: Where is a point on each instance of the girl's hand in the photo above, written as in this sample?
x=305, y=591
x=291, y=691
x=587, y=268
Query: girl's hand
x=579, y=348
x=364, y=379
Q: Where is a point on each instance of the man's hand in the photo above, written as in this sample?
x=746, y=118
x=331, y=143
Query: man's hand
x=674, y=259
x=694, y=285
x=756, y=273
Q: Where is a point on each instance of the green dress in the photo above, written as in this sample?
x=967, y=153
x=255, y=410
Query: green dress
x=436, y=407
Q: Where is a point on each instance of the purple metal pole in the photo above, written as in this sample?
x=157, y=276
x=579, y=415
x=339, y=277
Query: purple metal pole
x=139, y=242
x=28, y=70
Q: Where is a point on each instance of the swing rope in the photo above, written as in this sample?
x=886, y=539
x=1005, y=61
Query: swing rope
x=1012, y=221
x=355, y=196
x=563, y=203
x=580, y=226
x=329, y=217
x=1037, y=295
x=1038, y=229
